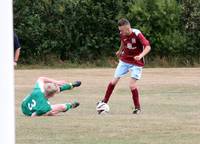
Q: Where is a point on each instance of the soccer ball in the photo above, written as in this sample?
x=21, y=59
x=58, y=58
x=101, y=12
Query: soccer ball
x=102, y=108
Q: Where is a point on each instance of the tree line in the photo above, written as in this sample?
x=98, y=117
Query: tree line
x=86, y=30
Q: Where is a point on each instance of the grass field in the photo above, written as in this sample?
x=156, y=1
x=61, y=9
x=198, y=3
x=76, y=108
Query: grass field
x=170, y=100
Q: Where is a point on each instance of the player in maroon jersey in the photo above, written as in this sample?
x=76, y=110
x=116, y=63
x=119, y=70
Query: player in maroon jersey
x=134, y=46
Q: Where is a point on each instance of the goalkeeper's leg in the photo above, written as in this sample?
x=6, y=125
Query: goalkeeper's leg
x=70, y=86
x=58, y=108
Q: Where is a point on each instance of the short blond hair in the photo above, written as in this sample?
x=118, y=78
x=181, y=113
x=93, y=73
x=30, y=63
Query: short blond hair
x=50, y=88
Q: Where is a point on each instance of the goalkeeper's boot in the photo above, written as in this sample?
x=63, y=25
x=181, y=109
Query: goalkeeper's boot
x=137, y=111
x=76, y=83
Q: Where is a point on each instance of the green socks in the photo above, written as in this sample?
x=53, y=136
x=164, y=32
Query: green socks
x=68, y=106
x=66, y=87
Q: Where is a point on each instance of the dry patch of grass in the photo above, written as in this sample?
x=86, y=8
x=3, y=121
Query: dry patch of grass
x=170, y=101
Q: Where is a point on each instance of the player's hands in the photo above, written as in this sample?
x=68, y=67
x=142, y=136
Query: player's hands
x=118, y=53
x=15, y=63
x=76, y=83
x=137, y=58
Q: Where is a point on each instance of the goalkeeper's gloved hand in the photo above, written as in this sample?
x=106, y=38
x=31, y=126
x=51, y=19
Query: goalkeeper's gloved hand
x=76, y=83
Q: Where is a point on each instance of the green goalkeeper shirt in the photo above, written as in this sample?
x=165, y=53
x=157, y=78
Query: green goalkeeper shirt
x=36, y=102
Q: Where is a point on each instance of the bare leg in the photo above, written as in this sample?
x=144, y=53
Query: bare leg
x=57, y=108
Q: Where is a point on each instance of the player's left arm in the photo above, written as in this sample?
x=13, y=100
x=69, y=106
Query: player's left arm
x=146, y=46
x=17, y=48
x=17, y=53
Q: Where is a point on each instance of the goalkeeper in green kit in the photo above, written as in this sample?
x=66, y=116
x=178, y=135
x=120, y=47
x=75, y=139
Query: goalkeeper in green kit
x=37, y=104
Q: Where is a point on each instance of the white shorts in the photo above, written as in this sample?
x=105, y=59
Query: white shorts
x=123, y=68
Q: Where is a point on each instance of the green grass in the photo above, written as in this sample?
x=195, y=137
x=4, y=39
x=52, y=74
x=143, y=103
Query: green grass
x=170, y=102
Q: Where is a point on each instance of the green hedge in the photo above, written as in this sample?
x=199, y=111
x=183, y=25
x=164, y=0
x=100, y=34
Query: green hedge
x=86, y=30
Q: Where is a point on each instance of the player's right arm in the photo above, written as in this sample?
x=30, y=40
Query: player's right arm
x=119, y=52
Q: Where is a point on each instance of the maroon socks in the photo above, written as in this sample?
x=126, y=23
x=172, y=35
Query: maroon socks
x=108, y=92
x=135, y=97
